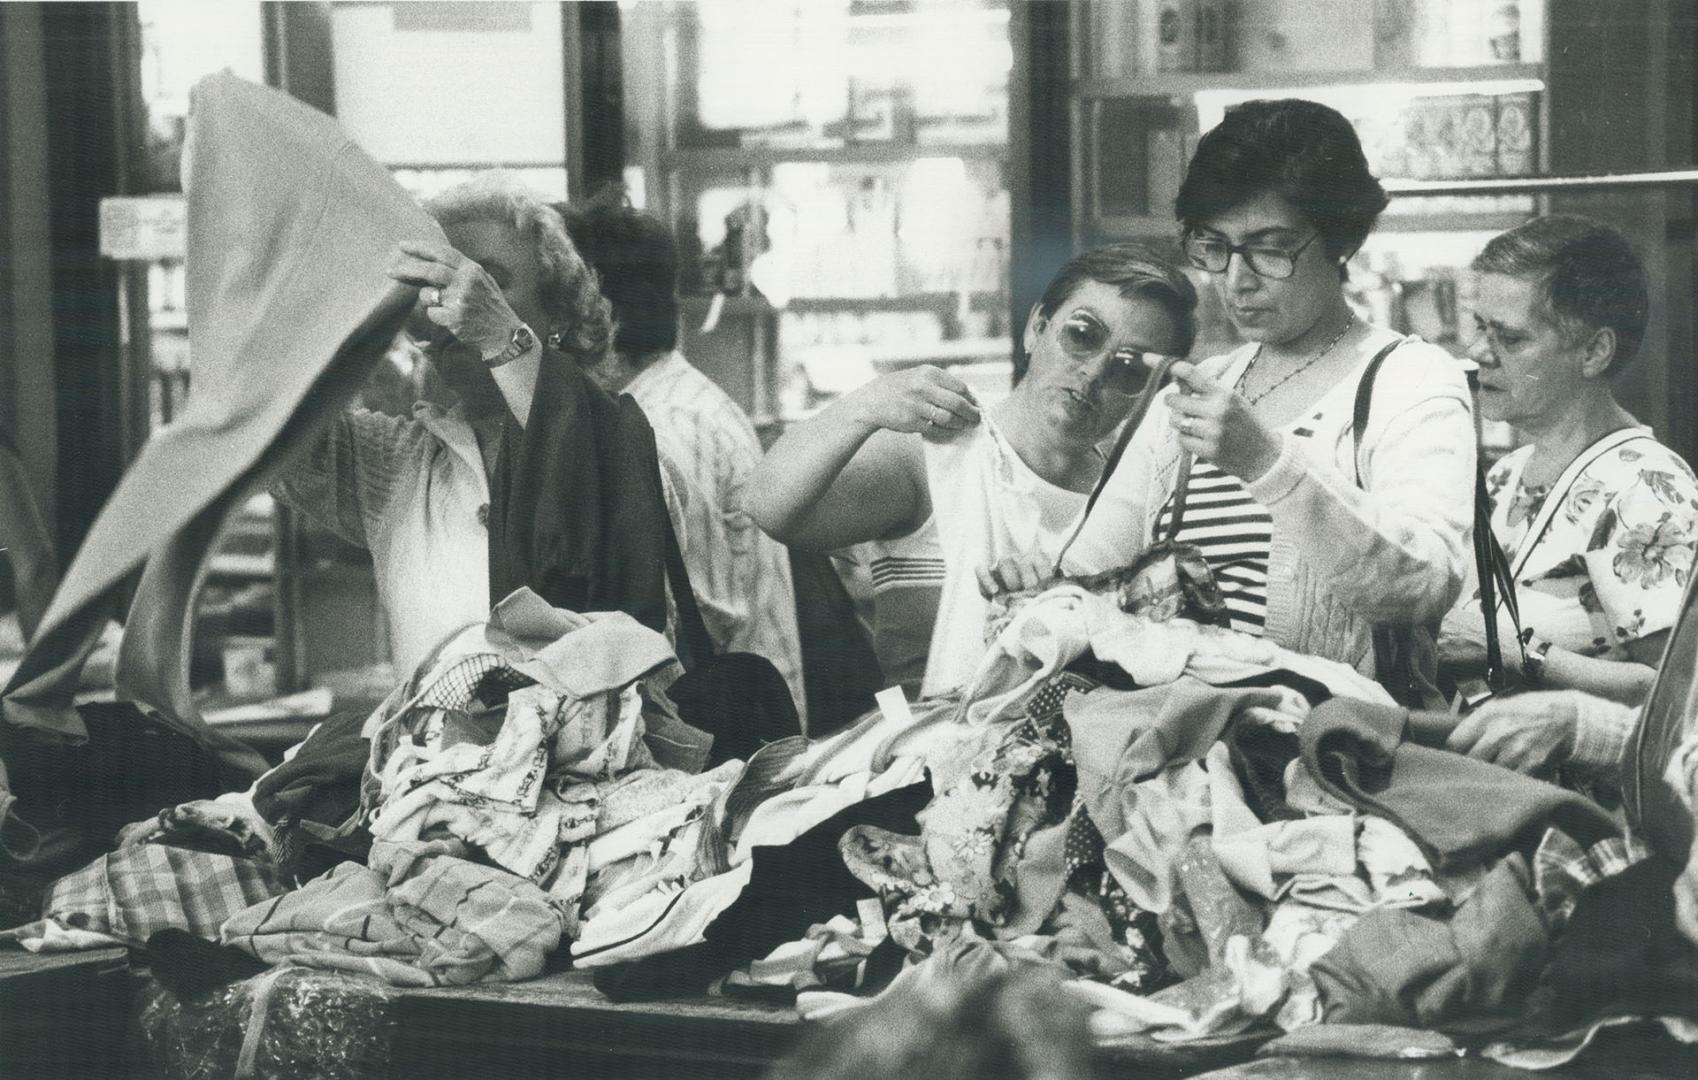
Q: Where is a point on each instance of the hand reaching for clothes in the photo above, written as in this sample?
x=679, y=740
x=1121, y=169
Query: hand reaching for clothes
x=1530, y=733
x=224, y=826
x=1017, y=573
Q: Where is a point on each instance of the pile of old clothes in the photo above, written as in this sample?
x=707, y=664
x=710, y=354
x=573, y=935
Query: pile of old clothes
x=1207, y=834
x=531, y=766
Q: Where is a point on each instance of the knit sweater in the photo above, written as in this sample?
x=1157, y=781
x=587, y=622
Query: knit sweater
x=1395, y=550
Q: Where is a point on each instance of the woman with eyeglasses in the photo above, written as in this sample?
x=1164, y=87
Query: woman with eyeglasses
x=1315, y=536
x=937, y=489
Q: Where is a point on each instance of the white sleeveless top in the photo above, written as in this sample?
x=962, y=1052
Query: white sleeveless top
x=987, y=506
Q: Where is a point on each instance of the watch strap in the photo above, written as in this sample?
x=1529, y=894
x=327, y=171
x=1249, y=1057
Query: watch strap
x=521, y=342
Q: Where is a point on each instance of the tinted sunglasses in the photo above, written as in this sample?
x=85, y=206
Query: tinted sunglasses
x=1083, y=336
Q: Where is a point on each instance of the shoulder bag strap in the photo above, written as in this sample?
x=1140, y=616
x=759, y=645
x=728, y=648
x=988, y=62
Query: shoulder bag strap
x=1181, y=488
x=1491, y=565
x=1158, y=379
x=1559, y=491
x=695, y=644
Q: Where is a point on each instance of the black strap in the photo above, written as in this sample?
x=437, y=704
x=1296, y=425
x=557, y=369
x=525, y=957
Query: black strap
x=695, y=644
x=1364, y=402
x=1181, y=487
x=1491, y=565
x=1158, y=379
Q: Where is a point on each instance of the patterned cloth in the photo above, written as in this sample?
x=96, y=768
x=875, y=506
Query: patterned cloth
x=420, y=915
x=1562, y=869
x=134, y=891
x=907, y=575
x=741, y=576
x=1612, y=565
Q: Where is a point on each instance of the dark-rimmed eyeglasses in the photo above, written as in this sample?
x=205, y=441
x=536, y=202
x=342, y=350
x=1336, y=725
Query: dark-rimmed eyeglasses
x=1213, y=253
x=1084, y=337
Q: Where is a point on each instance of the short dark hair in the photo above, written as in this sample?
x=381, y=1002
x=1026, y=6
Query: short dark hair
x=636, y=257
x=1136, y=270
x=1301, y=150
x=1589, y=276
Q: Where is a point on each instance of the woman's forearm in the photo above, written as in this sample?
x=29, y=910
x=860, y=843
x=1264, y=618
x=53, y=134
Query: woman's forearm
x=1399, y=550
x=790, y=496
x=1624, y=681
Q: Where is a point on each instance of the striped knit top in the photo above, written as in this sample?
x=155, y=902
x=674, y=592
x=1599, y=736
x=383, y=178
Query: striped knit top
x=907, y=580
x=1234, y=532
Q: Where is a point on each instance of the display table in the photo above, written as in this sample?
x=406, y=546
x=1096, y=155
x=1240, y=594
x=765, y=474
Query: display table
x=62, y=1015
x=1641, y=1052
x=560, y=1025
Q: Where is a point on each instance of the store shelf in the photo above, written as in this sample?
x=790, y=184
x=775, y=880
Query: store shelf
x=872, y=153
x=734, y=305
x=921, y=301
x=960, y=351
x=1391, y=221
x=1454, y=80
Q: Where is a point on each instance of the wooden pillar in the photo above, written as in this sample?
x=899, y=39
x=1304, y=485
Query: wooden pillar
x=600, y=78
x=1039, y=159
x=91, y=77
x=1617, y=105
x=28, y=397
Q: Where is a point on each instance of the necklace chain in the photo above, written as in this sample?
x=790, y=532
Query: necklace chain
x=1300, y=368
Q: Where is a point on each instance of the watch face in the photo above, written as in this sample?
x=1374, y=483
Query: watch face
x=523, y=338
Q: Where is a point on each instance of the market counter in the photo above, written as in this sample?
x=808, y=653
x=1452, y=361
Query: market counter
x=1639, y=1052
x=63, y=1016
x=560, y=1025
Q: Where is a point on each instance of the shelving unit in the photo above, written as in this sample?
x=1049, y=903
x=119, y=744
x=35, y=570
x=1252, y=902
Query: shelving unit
x=826, y=167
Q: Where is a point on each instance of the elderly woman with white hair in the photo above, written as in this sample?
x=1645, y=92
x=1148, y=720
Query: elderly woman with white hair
x=507, y=295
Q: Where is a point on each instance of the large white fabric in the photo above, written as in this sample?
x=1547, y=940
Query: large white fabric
x=988, y=506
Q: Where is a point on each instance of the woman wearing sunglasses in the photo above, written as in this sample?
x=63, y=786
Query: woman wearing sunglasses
x=1313, y=534
x=937, y=489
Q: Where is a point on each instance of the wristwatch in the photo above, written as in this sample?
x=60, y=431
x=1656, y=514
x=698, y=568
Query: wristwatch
x=518, y=345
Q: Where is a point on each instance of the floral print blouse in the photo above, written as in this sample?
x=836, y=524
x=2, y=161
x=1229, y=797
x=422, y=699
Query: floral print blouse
x=1611, y=565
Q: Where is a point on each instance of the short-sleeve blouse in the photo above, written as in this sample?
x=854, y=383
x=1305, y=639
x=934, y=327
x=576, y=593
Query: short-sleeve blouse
x=1610, y=563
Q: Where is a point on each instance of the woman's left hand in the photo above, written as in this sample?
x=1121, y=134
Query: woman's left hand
x=1017, y=573
x=1217, y=425
x=457, y=294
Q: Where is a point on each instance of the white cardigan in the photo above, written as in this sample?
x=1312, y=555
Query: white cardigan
x=1343, y=558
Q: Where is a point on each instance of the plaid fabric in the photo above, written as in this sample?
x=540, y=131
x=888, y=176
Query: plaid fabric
x=1562, y=869
x=134, y=891
x=418, y=916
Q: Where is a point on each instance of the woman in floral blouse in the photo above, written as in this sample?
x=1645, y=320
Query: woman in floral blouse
x=1599, y=520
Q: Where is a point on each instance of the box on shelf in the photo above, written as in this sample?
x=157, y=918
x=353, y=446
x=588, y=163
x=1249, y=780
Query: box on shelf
x=1167, y=35
x=1477, y=134
x=1303, y=35
x=1213, y=24
x=1517, y=128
